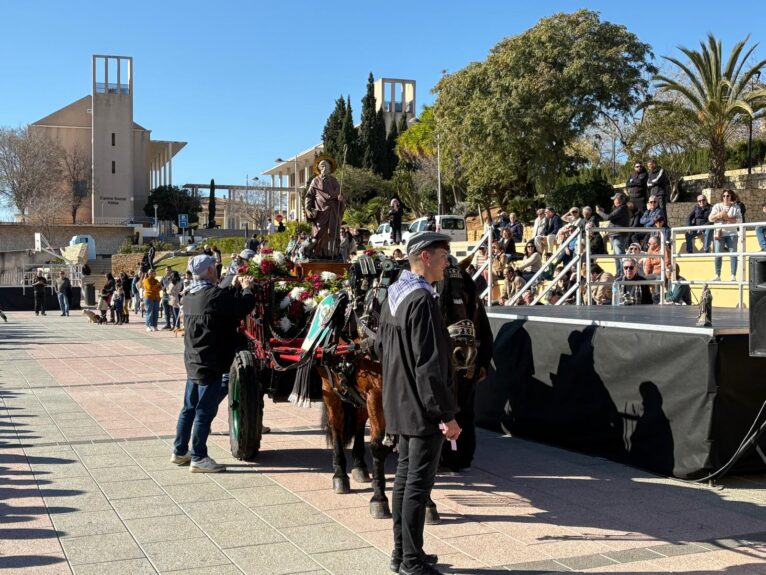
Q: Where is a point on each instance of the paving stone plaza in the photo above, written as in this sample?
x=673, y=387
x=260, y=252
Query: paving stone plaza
x=87, y=418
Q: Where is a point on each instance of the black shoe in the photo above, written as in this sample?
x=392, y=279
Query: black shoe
x=428, y=560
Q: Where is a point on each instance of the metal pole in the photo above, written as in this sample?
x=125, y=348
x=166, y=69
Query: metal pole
x=614, y=157
x=298, y=206
x=749, y=147
x=438, y=175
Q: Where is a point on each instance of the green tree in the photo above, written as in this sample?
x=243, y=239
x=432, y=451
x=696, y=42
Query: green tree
x=390, y=160
x=349, y=138
x=333, y=131
x=171, y=201
x=714, y=97
x=361, y=186
x=372, y=132
x=505, y=125
x=211, y=206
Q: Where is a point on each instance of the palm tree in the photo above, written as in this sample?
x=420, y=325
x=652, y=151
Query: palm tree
x=714, y=99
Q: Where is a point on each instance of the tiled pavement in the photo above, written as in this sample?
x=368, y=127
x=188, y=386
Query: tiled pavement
x=87, y=416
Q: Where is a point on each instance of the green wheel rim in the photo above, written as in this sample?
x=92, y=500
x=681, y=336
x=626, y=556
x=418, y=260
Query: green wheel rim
x=234, y=398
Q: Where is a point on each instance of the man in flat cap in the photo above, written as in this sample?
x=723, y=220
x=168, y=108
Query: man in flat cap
x=418, y=399
x=211, y=318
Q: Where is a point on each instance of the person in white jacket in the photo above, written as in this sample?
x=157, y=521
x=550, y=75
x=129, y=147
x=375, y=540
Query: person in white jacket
x=725, y=212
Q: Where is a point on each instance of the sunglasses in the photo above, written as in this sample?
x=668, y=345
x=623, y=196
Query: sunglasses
x=629, y=267
x=726, y=196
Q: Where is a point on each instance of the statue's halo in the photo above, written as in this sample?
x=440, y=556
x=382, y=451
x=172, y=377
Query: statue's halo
x=315, y=167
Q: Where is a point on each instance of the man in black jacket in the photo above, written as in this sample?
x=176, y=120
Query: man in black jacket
x=418, y=399
x=658, y=184
x=38, y=290
x=699, y=217
x=634, y=294
x=636, y=187
x=211, y=318
x=619, y=217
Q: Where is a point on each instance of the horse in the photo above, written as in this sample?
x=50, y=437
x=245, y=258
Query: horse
x=352, y=388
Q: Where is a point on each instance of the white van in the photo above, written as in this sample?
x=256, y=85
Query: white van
x=452, y=226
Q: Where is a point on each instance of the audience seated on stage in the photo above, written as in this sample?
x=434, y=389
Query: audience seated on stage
x=633, y=294
x=601, y=294
x=652, y=266
x=545, y=243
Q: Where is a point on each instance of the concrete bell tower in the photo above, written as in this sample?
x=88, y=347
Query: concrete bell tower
x=112, y=138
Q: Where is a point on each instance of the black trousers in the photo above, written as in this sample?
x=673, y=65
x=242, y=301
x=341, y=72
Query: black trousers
x=415, y=475
x=40, y=302
x=466, y=441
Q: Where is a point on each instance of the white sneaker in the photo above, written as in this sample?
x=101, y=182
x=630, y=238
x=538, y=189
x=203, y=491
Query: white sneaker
x=180, y=459
x=207, y=465
x=733, y=278
x=148, y=329
x=716, y=279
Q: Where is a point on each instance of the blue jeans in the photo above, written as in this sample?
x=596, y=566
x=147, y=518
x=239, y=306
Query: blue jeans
x=729, y=243
x=618, y=248
x=707, y=238
x=760, y=233
x=63, y=303
x=167, y=312
x=200, y=408
x=175, y=318
x=152, y=309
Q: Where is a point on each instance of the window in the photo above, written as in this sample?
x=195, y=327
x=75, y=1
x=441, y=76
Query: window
x=113, y=138
x=452, y=223
x=113, y=171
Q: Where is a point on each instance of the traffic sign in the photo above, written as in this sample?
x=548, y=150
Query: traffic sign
x=183, y=221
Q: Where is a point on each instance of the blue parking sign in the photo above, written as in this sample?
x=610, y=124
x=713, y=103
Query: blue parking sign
x=183, y=221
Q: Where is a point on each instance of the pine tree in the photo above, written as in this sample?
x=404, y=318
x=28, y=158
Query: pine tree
x=332, y=133
x=349, y=137
x=379, y=143
x=211, y=206
x=391, y=160
x=367, y=153
x=403, y=123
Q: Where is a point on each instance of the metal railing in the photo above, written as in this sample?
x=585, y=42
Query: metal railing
x=486, y=239
x=741, y=254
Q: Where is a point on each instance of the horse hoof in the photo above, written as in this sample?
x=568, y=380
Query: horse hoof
x=360, y=475
x=380, y=510
x=432, y=516
x=341, y=485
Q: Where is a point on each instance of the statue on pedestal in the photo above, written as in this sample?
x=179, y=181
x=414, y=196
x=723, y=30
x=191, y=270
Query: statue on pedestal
x=324, y=206
x=705, y=317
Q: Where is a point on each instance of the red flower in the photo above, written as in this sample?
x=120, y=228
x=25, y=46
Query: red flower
x=317, y=285
x=242, y=269
x=369, y=252
x=295, y=310
x=267, y=266
x=305, y=295
x=266, y=251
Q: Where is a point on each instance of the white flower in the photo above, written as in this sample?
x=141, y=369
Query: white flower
x=296, y=292
x=328, y=276
x=309, y=304
x=279, y=258
x=284, y=303
x=323, y=294
x=285, y=324
x=257, y=259
x=281, y=285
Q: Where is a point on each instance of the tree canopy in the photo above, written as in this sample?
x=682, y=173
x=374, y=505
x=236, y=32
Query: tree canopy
x=171, y=201
x=714, y=97
x=507, y=122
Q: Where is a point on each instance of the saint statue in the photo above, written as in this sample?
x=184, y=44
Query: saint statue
x=705, y=317
x=324, y=206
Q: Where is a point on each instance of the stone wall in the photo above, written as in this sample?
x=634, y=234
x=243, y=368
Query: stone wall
x=17, y=237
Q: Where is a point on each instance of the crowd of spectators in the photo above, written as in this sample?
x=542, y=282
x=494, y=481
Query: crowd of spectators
x=647, y=253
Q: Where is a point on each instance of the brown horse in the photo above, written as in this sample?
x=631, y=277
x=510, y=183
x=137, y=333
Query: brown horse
x=353, y=393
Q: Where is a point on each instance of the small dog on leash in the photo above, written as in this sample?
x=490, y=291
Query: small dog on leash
x=93, y=317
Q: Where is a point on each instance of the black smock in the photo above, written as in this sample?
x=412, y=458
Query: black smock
x=414, y=349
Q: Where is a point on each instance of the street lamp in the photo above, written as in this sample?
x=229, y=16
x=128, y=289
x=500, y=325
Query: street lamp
x=756, y=79
x=297, y=195
x=155, y=218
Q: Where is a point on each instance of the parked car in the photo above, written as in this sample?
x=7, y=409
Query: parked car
x=453, y=226
x=362, y=237
x=382, y=236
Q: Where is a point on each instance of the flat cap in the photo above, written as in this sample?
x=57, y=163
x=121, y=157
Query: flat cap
x=247, y=254
x=421, y=240
x=200, y=264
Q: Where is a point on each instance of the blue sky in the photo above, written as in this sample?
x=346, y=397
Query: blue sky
x=246, y=82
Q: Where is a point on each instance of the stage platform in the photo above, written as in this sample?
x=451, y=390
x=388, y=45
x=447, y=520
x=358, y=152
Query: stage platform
x=638, y=384
x=664, y=318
